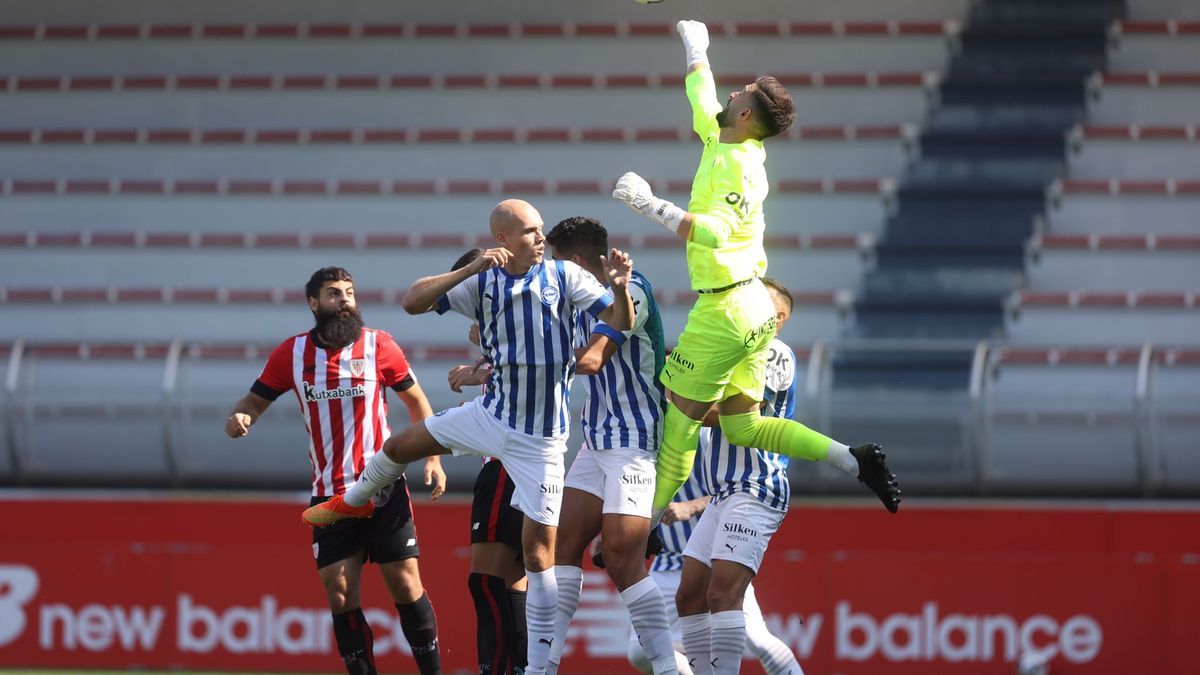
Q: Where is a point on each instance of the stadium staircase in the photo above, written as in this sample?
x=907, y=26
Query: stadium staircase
x=953, y=249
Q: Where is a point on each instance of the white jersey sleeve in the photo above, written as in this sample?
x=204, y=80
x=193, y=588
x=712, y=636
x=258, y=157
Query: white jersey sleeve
x=584, y=291
x=463, y=298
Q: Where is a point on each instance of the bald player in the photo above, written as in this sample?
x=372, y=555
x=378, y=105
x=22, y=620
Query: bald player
x=525, y=307
x=721, y=357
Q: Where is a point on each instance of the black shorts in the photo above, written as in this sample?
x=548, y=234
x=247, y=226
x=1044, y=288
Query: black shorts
x=387, y=536
x=493, y=518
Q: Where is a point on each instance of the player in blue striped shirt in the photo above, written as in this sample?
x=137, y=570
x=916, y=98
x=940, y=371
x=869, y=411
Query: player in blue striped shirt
x=678, y=521
x=750, y=493
x=610, y=487
x=526, y=309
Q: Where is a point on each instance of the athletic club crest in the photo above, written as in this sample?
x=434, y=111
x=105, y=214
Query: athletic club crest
x=357, y=366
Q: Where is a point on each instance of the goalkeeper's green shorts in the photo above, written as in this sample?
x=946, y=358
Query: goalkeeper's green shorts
x=723, y=349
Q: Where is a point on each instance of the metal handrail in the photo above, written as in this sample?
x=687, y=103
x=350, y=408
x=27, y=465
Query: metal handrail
x=171, y=368
x=12, y=381
x=170, y=379
x=15, y=359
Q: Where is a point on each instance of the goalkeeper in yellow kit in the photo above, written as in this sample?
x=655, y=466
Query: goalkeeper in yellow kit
x=721, y=357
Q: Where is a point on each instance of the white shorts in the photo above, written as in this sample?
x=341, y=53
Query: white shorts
x=534, y=462
x=622, y=477
x=737, y=528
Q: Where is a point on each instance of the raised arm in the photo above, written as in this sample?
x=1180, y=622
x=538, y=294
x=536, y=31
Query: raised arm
x=425, y=292
x=700, y=86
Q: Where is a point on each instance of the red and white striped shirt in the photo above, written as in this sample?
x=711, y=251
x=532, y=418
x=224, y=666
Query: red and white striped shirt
x=342, y=397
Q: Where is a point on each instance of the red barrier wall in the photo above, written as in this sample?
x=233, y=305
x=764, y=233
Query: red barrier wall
x=230, y=584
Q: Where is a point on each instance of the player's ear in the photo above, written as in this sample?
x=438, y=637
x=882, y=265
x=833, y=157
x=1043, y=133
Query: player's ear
x=313, y=304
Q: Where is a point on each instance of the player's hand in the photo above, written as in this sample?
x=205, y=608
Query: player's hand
x=237, y=425
x=618, y=267
x=694, y=34
x=635, y=192
x=492, y=257
x=676, y=511
x=473, y=334
x=473, y=375
x=435, y=476
x=695, y=43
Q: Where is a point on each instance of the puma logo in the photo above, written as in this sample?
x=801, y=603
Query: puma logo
x=730, y=547
x=631, y=500
x=549, y=643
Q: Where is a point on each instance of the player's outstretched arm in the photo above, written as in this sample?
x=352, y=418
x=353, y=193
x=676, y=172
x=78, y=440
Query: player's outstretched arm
x=245, y=413
x=423, y=295
x=711, y=230
x=699, y=84
x=695, y=43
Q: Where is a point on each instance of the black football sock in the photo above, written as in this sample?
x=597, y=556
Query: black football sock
x=355, y=641
x=520, y=640
x=419, y=624
x=494, y=634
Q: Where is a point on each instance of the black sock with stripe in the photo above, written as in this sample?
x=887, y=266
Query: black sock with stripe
x=355, y=642
x=493, y=621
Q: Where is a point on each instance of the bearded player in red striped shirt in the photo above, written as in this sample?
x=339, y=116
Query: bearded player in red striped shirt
x=338, y=372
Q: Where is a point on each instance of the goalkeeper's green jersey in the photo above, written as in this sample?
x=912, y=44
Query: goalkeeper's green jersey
x=726, y=241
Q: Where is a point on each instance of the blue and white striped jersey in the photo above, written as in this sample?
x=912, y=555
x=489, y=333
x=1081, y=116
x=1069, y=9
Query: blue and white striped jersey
x=729, y=469
x=675, y=535
x=525, y=328
x=625, y=402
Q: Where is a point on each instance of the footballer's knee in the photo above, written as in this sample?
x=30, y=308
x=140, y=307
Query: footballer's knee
x=741, y=429
x=403, y=579
x=722, y=598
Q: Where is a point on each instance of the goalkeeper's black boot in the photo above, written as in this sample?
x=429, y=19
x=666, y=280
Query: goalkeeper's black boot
x=654, y=546
x=873, y=472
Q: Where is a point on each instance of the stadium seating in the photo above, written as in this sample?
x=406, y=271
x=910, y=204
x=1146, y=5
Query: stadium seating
x=1112, y=262
x=1075, y=418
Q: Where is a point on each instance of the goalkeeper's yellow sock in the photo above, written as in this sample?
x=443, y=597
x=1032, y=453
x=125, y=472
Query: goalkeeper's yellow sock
x=786, y=437
x=681, y=435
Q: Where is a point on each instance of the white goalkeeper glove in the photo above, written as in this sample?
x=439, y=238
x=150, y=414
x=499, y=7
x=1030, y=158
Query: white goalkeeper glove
x=695, y=41
x=635, y=191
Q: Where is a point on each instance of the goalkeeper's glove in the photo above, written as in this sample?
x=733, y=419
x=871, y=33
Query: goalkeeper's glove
x=695, y=41
x=635, y=191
